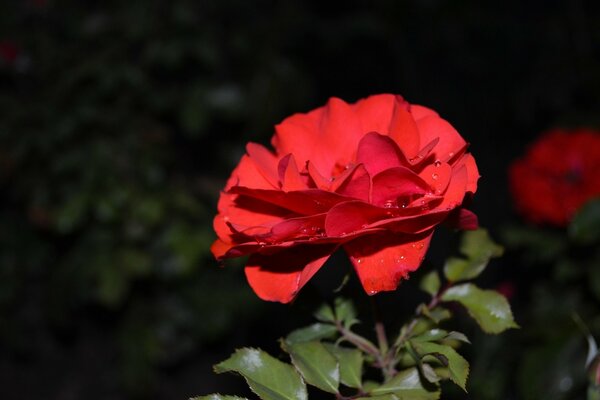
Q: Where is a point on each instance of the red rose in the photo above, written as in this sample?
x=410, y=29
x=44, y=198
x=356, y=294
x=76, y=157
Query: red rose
x=557, y=175
x=374, y=177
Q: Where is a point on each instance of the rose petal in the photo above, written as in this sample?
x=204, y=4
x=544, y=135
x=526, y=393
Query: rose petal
x=461, y=218
x=289, y=176
x=305, y=202
x=378, y=153
x=244, y=211
x=341, y=130
x=354, y=183
x=419, y=112
x=293, y=228
x=300, y=135
x=375, y=112
x=450, y=143
x=351, y=216
x=279, y=276
x=319, y=181
x=265, y=162
x=438, y=176
x=403, y=130
x=472, y=172
x=396, y=182
x=383, y=260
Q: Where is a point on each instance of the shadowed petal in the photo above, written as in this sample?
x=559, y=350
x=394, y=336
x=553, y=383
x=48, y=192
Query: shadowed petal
x=383, y=260
x=396, y=182
x=279, y=276
x=354, y=183
x=265, y=162
x=289, y=176
x=378, y=153
x=305, y=202
x=351, y=216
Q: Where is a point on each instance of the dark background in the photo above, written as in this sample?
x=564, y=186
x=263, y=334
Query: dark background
x=120, y=121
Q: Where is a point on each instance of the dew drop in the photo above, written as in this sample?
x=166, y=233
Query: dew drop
x=262, y=244
x=434, y=176
x=304, y=230
x=359, y=261
x=451, y=154
x=437, y=163
x=388, y=204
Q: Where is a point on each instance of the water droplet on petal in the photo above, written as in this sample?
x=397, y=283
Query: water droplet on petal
x=388, y=204
x=451, y=154
x=434, y=176
x=437, y=163
x=359, y=260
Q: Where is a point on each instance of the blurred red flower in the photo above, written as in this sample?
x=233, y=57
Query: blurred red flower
x=374, y=177
x=558, y=174
x=8, y=51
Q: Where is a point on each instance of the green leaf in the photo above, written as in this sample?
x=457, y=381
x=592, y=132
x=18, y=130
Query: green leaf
x=325, y=313
x=478, y=244
x=351, y=364
x=312, y=332
x=454, y=335
x=345, y=312
x=317, y=365
x=431, y=335
x=268, y=377
x=479, y=249
x=457, y=365
x=429, y=373
x=431, y=283
x=407, y=385
x=585, y=226
x=489, y=308
x=217, y=396
x=437, y=314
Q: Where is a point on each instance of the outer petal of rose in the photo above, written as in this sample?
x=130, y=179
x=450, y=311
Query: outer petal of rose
x=375, y=112
x=437, y=176
x=403, y=129
x=461, y=218
x=383, y=260
x=279, y=276
x=265, y=162
x=299, y=134
x=455, y=193
x=450, y=140
x=304, y=202
x=472, y=172
x=396, y=182
x=248, y=174
x=219, y=248
x=245, y=211
x=419, y=112
x=341, y=131
x=378, y=153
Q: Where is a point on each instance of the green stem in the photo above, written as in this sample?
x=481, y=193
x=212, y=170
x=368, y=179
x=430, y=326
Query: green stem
x=379, y=327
